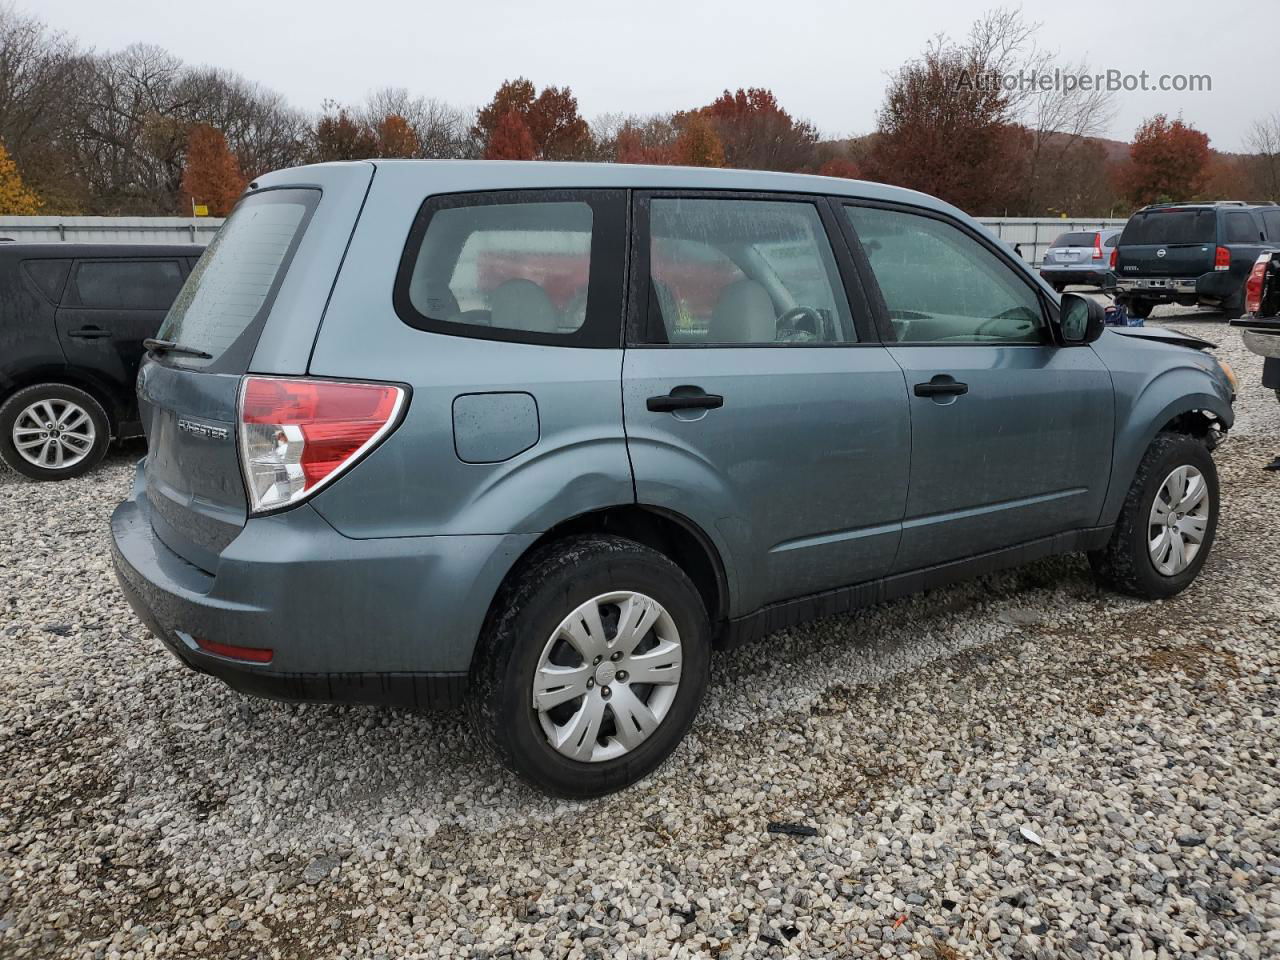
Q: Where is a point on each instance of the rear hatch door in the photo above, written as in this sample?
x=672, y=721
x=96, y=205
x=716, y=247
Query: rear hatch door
x=253, y=303
x=1168, y=242
x=1072, y=249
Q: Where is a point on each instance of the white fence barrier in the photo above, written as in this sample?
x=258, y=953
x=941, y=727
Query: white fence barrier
x=111, y=229
x=1033, y=235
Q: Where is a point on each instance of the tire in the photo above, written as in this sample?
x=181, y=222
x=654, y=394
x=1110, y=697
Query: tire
x=81, y=448
x=522, y=631
x=1126, y=562
x=1140, y=308
x=1234, y=308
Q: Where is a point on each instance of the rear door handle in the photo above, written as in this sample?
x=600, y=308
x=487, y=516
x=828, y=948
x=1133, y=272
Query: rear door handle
x=941, y=386
x=690, y=398
x=89, y=333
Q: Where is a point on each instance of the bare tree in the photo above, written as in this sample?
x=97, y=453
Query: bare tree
x=443, y=130
x=39, y=72
x=1056, y=101
x=1264, y=141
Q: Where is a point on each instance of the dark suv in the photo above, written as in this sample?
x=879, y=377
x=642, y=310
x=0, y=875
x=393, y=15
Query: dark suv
x=1192, y=253
x=71, y=332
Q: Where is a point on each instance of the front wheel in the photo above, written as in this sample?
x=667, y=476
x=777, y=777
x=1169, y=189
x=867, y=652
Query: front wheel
x=593, y=666
x=1167, y=524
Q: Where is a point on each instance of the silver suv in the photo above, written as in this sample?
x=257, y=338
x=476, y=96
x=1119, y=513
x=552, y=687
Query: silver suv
x=535, y=437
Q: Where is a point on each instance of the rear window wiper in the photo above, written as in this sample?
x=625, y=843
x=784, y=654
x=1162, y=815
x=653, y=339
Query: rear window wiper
x=172, y=346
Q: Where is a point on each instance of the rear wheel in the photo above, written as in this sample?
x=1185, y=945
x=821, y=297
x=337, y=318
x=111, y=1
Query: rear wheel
x=1167, y=524
x=593, y=667
x=1234, y=308
x=52, y=431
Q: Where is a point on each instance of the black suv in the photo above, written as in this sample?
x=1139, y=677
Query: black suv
x=1192, y=253
x=71, y=330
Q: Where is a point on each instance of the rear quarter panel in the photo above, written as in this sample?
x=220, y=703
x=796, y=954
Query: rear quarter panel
x=29, y=348
x=1154, y=382
x=416, y=484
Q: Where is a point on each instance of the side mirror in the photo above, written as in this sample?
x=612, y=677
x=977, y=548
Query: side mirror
x=1080, y=320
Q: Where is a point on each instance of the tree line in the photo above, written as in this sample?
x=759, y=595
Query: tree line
x=140, y=132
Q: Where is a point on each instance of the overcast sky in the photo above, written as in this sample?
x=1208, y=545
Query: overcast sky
x=826, y=61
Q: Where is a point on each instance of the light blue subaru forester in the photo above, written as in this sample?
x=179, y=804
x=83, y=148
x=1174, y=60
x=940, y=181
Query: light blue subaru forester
x=536, y=437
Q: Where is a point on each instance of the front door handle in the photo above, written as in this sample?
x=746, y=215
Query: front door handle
x=685, y=398
x=89, y=333
x=943, y=385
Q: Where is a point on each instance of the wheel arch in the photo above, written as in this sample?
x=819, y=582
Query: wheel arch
x=1160, y=409
x=670, y=533
x=69, y=377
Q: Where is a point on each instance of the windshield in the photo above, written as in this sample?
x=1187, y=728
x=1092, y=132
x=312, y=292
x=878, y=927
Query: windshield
x=1171, y=226
x=223, y=305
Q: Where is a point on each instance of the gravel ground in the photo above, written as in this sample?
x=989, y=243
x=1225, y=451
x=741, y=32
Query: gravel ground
x=1022, y=766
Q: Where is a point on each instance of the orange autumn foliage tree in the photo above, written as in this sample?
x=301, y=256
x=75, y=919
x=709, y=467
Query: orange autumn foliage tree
x=698, y=144
x=1167, y=161
x=211, y=175
x=510, y=139
x=556, y=129
x=16, y=198
x=396, y=138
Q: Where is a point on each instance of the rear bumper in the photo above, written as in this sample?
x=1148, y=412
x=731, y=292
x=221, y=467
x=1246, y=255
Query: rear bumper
x=388, y=621
x=1085, y=275
x=1208, y=288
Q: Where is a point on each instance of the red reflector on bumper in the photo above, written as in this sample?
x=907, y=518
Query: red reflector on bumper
x=252, y=654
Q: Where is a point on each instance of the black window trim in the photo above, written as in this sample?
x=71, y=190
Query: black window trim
x=638, y=287
x=1048, y=308
x=606, y=278
x=71, y=292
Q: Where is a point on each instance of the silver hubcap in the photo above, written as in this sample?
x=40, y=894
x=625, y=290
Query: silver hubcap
x=53, y=434
x=608, y=676
x=1178, y=521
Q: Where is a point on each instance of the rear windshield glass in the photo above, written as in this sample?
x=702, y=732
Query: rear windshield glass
x=1171, y=226
x=1075, y=239
x=221, y=308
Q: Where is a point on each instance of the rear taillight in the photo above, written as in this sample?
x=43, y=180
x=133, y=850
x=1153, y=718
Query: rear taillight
x=1097, y=246
x=1115, y=255
x=296, y=435
x=1222, y=259
x=1253, y=286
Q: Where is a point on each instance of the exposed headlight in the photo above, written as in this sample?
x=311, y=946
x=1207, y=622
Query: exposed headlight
x=1231, y=375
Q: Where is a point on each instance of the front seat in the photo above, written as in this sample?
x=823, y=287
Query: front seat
x=743, y=314
x=523, y=305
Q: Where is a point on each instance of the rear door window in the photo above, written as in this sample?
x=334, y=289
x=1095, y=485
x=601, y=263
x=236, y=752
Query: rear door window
x=225, y=301
x=1240, y=228
x=1271, y=220
x=533, y=266
x=742, y=271
x=126, y=284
